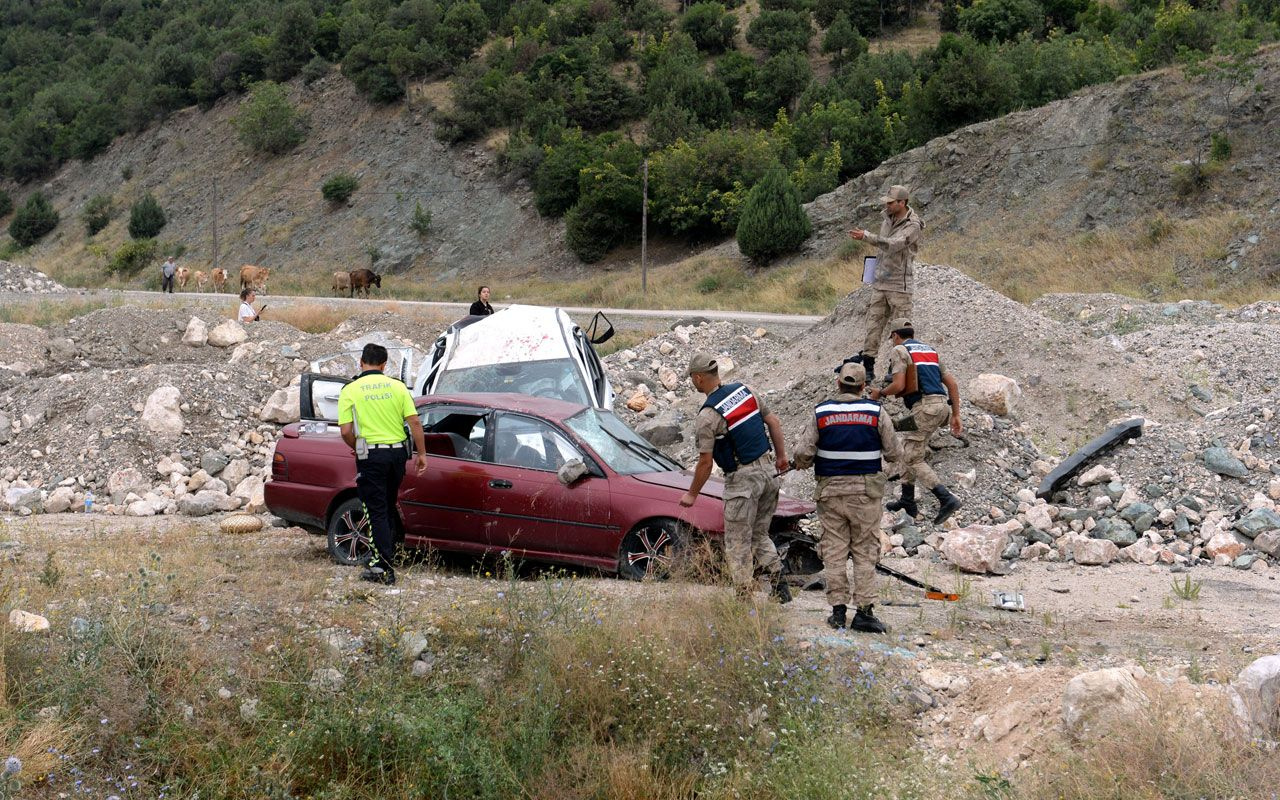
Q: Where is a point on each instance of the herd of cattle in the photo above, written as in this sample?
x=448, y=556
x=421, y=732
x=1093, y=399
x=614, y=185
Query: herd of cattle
x=251, y=277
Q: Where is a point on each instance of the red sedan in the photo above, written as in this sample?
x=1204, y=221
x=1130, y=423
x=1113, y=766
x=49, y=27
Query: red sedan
x=543, y=479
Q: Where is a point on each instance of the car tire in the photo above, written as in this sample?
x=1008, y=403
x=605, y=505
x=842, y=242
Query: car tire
x=350, y=539
x=649, y=549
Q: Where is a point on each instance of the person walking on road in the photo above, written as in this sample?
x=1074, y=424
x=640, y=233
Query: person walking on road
x=920, y=378
x=167, y=271
x=898, y=242
x=734, y=430
x=481, y=306
x=845, y=443
x=372, y=413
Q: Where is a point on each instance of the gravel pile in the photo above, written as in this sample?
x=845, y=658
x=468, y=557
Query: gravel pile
x=17, y=278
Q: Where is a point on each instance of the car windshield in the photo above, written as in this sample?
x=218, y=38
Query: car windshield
x=624, y=450
x=556, y=378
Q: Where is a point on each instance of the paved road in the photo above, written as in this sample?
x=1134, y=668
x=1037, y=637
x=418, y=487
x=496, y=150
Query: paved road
x=623, y=318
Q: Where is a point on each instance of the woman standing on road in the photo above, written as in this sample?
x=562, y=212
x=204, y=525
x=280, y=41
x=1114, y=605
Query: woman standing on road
x=481, y=306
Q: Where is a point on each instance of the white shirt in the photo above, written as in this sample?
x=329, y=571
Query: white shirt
x=247, y=313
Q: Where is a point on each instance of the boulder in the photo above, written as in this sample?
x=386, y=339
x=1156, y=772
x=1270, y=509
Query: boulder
x=24, y=499
x=1093, y=700
x=1094, y=552
x=1268, y=542
x=213, y=462
x=1257, y=521
x=1225, y=543
x=282, y=407
x=60, y=500
x=227, y=334
x=977, y=548
x=1221, y=461
x=1255, y=697
x=1039, y=517
x=669, y=377
x=235, y=472
x=26, y=622
x=994, y=393
x=1140, y=552
x=161, y=415
x=251, y=491
x=168, y=465
x=1096, y=474
x=205, y=502
x=327, y=681
x=196, y=334
x=123, y=481
x=661, y=431
x=144, y=508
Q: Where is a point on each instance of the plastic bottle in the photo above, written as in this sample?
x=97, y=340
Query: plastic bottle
x=88, y=502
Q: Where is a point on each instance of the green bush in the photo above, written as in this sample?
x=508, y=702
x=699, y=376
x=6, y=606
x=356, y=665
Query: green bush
x=780, y=31
x=843, y=42
x=146, y=218
x=1219, y=147
x=710, y=26
x=339, y=188
x=781, y=80
x=268, y=123
x=133, y=257
x=97, y=213
x=607, y=212
x=316, y=69
x=421, y=223
x=1001, y=20
x=697, y=188
x=33, y=220
x=773, y=221
x=6, y=203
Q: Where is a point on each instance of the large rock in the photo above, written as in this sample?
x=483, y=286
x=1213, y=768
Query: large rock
x=977, y=548
x=1221, y=461
x=162, y=415
x=23, y=499
x=1255, y=697
x=661, y=431
x=235, y=472
x=1093, y=700
x=196, y=334
x=26, y=622
x=1096, y=474
x=227, y=334
x=1268, y=542
x=1226, y=544
x=1095, y=552
x=203, y=503
x=59, y=500
x=282, y=407
x=145, y=508
x=123, y=481
x=669, y=377
x=1141, y=552
x=251, y=491
x=995, y=393
x=1257, y=521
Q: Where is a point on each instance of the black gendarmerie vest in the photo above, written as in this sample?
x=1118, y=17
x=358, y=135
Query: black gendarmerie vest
x=848, y=438
x=746, y=440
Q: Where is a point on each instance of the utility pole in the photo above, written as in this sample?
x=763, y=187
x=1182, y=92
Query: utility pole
x=215, y=221
x=644, y=232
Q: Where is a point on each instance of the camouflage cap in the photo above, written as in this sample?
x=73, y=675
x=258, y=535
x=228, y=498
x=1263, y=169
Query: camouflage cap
x=896, y=192
x=852, y=374
x=703, y=362
x=901, y=324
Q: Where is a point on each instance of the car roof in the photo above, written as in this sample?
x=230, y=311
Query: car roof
x=547, y=407
x=515, y=334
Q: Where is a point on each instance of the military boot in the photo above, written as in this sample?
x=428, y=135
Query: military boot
x=837, y=618
x=906, y=501
x=866, y=621
x=780, y=589
x=947, y=503
x=869, y=364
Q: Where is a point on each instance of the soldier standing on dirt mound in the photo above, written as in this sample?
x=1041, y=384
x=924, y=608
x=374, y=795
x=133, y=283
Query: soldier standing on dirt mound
x=734, y=429
x=844, y=443
x=921, y=379
x=891, y=293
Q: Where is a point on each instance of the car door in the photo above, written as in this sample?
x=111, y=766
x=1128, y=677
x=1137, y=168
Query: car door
x=531, y=509
x=318, y=397
x=445, y=506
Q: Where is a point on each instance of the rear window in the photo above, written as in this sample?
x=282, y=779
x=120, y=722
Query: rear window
x=557, y=378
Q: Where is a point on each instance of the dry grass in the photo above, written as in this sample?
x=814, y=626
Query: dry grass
x=47, y=312
x=310, y=317
x=1155, y=259
x=923, y=35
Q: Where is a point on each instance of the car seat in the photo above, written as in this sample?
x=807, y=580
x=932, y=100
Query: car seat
x=510, y=451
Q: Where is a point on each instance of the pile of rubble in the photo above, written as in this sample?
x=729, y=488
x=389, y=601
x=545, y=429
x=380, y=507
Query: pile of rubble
x=17, y=278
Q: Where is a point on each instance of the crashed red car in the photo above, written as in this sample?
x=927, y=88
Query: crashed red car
x=543, y=479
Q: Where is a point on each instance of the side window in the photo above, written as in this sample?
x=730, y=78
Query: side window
x=521, y=441
x=455, y=432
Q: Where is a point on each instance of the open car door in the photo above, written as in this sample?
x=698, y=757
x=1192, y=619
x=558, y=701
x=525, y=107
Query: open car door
x=318, y=397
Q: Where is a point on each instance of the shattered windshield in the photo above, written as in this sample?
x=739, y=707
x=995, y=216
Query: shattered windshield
x=624, y=450
x=555, y=378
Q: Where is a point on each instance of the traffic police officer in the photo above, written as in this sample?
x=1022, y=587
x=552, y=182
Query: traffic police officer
x=372, y=412
x=734, y=429
x=921, y=379
x=844, y=443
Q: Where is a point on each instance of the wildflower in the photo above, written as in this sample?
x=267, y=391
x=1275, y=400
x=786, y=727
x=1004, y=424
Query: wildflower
x=12, y=765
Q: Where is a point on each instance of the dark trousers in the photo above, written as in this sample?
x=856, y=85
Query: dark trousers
x=378, y=480
x=166, y=284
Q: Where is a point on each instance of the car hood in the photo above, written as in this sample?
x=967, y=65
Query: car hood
x=714, y=487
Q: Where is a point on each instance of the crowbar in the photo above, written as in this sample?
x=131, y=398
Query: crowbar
x=930, y=592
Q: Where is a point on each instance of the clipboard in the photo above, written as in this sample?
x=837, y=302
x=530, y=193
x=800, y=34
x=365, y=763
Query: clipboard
x=869, y=265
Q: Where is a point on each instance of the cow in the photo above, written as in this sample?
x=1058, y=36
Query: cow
x=341, y=282
x=362, y=279
x=254, y=278
x=181, y=277
x=219, y=277
x=202, y=280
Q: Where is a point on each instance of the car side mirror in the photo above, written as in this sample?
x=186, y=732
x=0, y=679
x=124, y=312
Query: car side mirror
x=571, y=471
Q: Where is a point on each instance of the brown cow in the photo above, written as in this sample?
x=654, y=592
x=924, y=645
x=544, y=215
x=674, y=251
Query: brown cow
x=219, y=277
x=182, y=276
x=254, y=278
x=341, y=281
x=202, y=280
x=362, y=279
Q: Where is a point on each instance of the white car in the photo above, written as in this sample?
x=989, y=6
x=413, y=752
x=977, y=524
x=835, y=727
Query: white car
x=533, y=350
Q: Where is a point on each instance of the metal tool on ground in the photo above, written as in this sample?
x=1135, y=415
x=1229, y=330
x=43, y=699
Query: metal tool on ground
x=930, y=592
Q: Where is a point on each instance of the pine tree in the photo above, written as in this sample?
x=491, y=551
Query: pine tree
x=772, y=220
x=843, y=42
x=146, y=218
x=33, y=220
